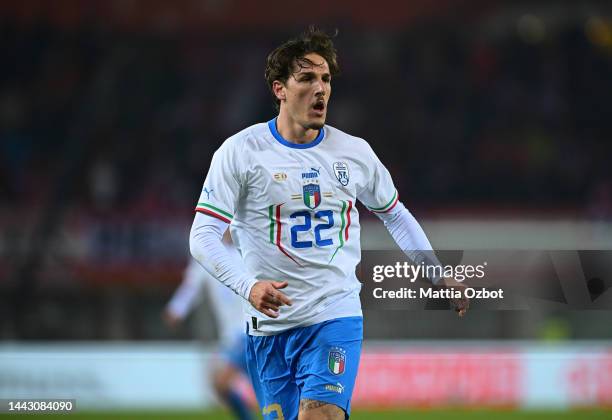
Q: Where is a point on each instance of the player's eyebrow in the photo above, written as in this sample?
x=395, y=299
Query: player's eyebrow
x=303, y=74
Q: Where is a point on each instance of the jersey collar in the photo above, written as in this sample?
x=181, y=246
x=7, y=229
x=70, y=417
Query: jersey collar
x=281, y=140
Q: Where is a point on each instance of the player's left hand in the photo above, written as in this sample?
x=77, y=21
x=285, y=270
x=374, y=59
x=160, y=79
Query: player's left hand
x=462, y=304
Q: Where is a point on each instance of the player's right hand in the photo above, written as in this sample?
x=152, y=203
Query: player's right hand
x=266, y=297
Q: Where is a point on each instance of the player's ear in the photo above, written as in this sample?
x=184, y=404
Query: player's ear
x=279, y=90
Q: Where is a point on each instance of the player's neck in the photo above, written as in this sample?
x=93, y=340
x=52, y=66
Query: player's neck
x=293, y=132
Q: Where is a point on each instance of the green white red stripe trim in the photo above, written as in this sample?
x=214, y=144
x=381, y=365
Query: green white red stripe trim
x=276, y=227
x=348, y=220
x=272, y=223
x=345, y=218
x=387, y=206
x=213, y=211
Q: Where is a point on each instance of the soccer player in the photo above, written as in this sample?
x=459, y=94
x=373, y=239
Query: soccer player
x=287, y=188
x=230, y=327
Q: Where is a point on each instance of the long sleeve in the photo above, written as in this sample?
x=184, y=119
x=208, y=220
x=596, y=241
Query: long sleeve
x=206, y=247
x=409, y=236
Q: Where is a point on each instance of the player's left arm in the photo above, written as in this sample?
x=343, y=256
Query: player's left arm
x=380, y=196
x=410, y=237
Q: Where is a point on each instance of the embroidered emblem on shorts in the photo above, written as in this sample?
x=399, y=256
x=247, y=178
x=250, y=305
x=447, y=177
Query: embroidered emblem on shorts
x=336, y=360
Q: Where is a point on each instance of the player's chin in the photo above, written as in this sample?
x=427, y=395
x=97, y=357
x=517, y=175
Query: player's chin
x=316, y=122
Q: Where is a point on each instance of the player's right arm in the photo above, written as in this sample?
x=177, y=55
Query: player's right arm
x=206, y=247
x=215, y=211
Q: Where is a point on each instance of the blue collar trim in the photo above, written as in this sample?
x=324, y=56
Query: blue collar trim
x=281, y=140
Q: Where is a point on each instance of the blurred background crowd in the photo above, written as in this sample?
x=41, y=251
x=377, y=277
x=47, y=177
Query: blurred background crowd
x=110, y=113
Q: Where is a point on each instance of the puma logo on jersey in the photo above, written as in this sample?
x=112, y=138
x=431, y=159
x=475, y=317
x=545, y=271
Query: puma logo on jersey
x=312, y=174
x=208, y=192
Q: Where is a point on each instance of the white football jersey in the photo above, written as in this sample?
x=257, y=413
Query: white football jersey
x=293, y=216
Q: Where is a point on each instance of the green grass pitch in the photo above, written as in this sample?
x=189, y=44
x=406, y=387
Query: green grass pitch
x=434, y=414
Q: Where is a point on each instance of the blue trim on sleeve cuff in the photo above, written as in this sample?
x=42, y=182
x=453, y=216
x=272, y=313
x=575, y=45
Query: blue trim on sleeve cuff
x=281, y=140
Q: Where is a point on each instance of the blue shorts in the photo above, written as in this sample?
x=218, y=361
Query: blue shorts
x=318, y=362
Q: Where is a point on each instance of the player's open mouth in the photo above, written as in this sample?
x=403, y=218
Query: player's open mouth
x=319, y=107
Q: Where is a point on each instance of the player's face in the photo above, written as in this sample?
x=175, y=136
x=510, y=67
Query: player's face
x=307, y=92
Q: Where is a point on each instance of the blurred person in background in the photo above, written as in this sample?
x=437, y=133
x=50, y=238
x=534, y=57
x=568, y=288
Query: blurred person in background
x=287, y=189
x=230, y=327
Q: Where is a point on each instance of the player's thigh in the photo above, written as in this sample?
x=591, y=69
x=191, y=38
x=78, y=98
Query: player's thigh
x=275, y=388
x=319, y=410
x=328, y=367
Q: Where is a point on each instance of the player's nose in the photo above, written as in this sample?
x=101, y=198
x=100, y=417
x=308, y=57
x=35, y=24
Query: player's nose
x=321, y=88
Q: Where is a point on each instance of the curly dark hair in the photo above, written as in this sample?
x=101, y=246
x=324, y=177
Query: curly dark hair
x=282, y=62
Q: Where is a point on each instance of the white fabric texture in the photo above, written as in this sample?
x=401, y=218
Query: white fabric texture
x=206, y=247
